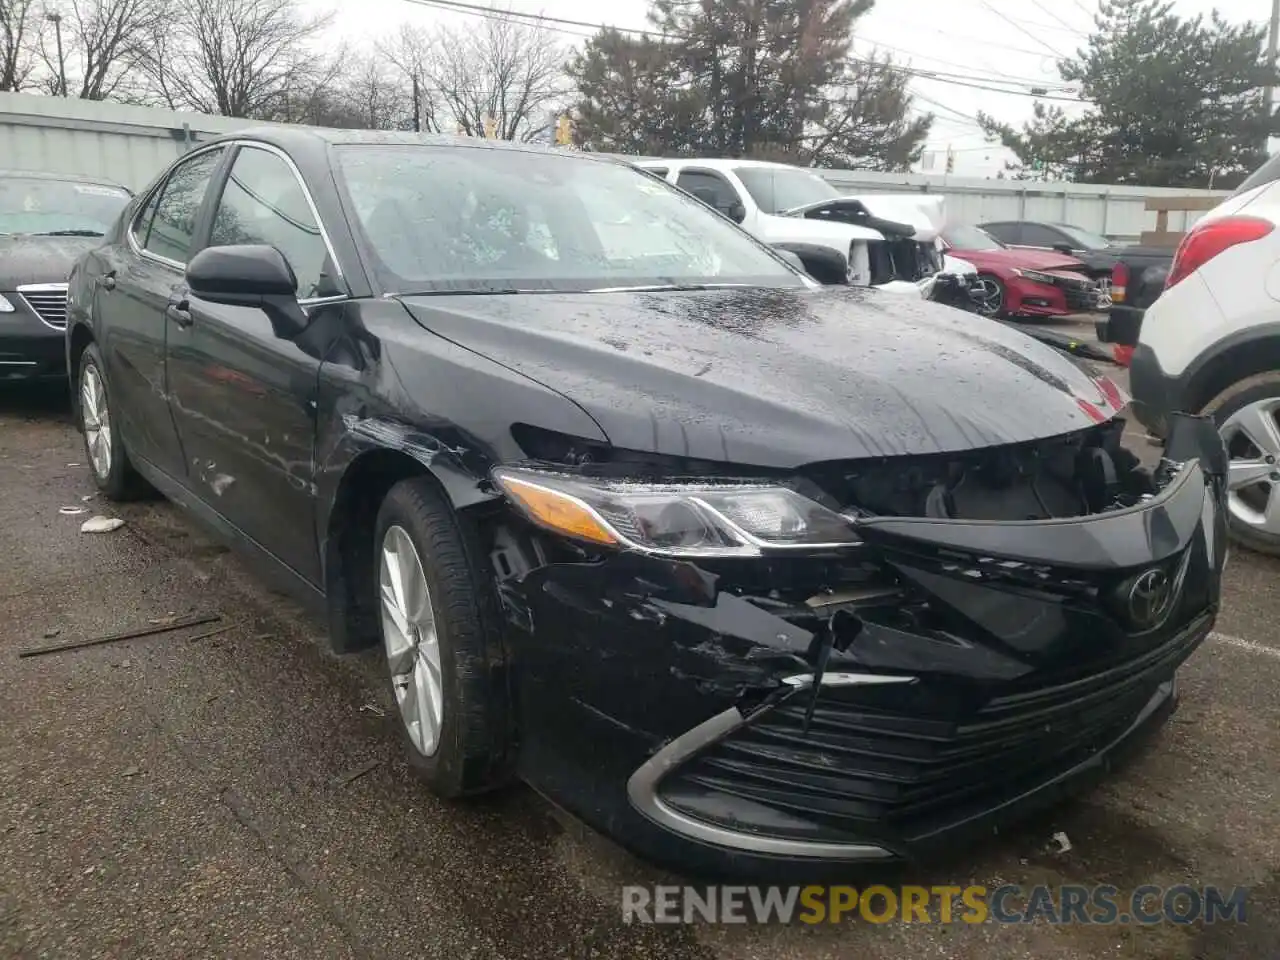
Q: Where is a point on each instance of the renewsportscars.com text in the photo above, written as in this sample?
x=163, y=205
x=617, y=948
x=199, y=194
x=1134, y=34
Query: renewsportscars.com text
x=1067, y=904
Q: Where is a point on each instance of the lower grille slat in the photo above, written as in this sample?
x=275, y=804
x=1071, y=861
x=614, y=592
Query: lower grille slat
x=855, y=769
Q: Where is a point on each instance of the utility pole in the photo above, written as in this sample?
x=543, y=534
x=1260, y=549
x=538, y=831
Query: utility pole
x=417, y=103
x=1273, y=38
x=56, y=20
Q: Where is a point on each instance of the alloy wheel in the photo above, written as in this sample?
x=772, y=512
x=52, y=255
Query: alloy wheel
x=988, y=297
x=1252, y=438
x=411, y=640
x=96, y=419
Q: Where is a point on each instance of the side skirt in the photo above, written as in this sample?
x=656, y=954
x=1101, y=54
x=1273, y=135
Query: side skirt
x=262, y=560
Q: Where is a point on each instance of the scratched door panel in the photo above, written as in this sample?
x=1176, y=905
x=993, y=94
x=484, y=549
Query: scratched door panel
x=244, y=402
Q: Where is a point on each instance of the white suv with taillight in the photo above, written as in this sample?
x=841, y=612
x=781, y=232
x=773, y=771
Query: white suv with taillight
x=1210, y=344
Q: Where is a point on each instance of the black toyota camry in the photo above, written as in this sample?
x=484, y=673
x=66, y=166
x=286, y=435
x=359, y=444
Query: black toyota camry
x=749, y=574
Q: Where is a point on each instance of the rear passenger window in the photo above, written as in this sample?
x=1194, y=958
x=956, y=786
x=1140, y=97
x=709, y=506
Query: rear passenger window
x=173, y=228
x=142, y=223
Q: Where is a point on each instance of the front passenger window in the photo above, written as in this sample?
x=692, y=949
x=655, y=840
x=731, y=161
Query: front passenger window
x=174, y=226
x=263, y=202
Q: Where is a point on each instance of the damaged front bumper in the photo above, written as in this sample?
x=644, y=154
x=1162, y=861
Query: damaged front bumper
x=942, y=678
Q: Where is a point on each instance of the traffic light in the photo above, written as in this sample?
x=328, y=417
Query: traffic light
x=564, y=130
x=951, y=160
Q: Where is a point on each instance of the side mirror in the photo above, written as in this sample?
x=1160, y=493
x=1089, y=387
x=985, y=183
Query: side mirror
x=737, y=212
x=1064, y=248
x=249, y=275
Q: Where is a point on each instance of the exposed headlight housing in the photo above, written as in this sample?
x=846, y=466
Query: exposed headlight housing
x=1037, y=276
x=680, y=519
x=6, y=306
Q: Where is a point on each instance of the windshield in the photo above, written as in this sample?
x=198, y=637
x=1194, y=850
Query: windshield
x=778, y=189
x=1085, y=239
x=971, y=238
x=33, y=205
x=486, y=220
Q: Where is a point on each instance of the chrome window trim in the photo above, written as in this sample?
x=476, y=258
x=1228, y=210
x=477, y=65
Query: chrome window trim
x=23, y=289
x=311, y=205
x=306, y=193
x=143, y=252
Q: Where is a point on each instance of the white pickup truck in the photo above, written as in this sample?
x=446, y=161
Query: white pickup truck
x=888, y=241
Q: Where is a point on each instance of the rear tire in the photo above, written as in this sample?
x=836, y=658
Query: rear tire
x=1248, y=417
x=104, y=449
x=443, y=648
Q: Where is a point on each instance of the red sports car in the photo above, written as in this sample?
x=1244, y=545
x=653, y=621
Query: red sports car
x=1020, y=282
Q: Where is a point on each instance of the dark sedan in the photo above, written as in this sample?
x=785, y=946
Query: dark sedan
x=46, y=221
x=750, y=574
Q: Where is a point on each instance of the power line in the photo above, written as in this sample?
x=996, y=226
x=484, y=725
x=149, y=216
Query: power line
x=959, y=80
x=495, y=14
x=1021, y=29
x=943, y=106
x=1069, y=27
x=1025, y=81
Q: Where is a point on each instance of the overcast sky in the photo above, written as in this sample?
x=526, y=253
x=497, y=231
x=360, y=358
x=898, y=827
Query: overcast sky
x=1003, y=40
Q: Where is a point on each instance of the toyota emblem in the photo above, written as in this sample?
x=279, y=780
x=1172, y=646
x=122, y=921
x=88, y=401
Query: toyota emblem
x=1150, y=599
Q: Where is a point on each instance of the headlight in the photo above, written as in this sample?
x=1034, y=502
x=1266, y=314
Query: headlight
x=5, y=305
x=694, y=519
x=1035, y=276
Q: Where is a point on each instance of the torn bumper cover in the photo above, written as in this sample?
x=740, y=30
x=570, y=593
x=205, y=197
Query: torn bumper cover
x=944, y=677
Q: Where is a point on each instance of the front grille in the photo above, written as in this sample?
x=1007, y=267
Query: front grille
x=48, y=301
x=1081, y=296
x=866, y=772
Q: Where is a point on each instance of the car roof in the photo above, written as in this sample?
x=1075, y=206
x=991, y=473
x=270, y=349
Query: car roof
x=715, y=164
x=55, y=177
x=302, y=139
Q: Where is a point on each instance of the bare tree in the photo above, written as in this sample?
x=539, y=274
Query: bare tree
x=410, y=51
x=377, y=97
x=18, y=35
x=237, y=58
x=102, y=44
x=509, y=71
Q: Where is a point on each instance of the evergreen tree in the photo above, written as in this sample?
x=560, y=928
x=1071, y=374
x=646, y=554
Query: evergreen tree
x=747, y=78
x=1175, y=102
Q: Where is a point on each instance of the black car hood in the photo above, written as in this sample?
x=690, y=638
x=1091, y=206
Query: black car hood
x=778, y=377
x=31, y=259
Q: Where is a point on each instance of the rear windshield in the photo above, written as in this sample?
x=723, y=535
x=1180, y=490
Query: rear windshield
x=970, y=238
x=1267, y=173
x=442, y=218
x=40, y=207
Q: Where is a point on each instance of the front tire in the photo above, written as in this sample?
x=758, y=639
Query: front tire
x=1248, y=418
x=442, y=642
x=104, y=450
x=991, y=300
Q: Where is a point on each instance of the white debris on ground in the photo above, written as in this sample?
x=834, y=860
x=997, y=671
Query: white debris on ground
x=72, y=511
x=101, y=525
x=1060, y=843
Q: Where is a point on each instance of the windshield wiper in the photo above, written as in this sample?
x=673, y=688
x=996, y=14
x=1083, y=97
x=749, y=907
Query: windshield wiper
x=68, y=233
x=666, y=287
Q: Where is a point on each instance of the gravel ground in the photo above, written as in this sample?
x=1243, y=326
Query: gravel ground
x=242, y=795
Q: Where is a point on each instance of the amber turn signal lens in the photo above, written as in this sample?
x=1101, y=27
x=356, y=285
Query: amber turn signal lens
x=557, y=511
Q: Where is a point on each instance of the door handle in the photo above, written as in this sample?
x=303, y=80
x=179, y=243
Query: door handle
x=179, y=314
